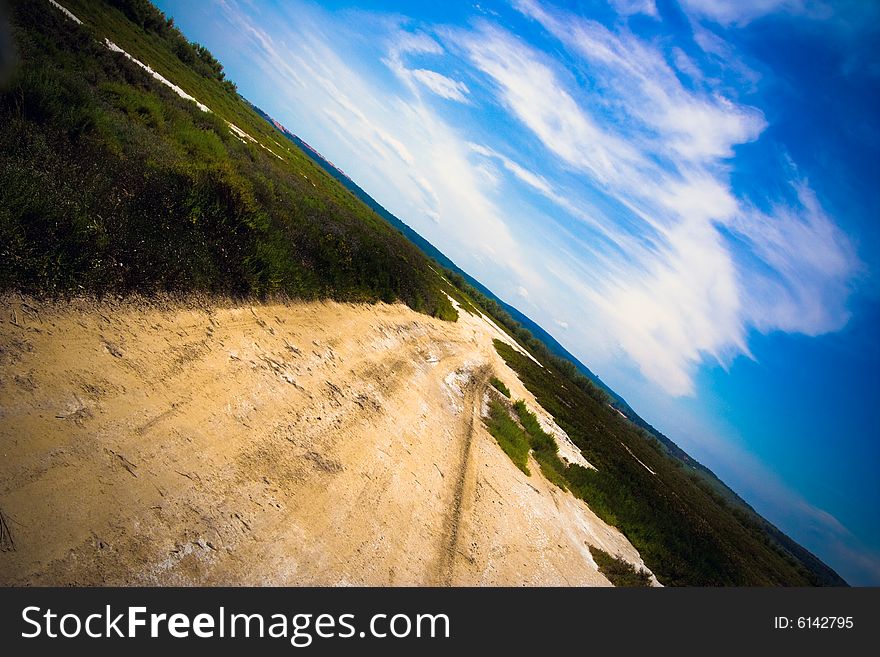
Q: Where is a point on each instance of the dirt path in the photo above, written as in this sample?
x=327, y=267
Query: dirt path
x=321, y=443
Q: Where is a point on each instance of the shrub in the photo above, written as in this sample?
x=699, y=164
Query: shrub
x=512, y=439
x=498, y=384
x=546, y=451
x=618, y=571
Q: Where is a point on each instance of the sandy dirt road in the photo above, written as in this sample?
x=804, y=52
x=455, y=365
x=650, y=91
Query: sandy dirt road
x=178, y=443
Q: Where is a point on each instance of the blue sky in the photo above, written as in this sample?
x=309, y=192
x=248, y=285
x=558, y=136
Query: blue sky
x=683, y=192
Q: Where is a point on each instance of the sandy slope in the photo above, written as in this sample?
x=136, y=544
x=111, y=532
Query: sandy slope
x=322, y=443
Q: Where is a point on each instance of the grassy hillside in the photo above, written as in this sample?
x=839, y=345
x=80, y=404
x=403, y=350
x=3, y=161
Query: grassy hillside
x=110, y=182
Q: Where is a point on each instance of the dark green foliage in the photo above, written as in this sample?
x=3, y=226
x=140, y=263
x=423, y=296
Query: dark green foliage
x=618, y=571
x=544, y=447
x=519, y=439
x=498, y=384
x=685, y=534
x=510, y=436
x=109, y=182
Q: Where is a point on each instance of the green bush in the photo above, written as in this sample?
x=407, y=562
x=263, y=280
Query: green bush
x=512, y=439
x=140, y=105
x=519, y=441
x=498, y=384
x=544, y=446
x=618, y=571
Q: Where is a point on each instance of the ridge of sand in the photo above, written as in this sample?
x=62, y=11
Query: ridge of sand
x=172, y=442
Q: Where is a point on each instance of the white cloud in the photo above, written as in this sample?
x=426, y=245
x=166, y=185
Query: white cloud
x=812, y=261
x=692, y=125
x=533, y=180
x=413, y=43
x=629, y=7
x=528, y=86
x=523, y=292
x=724, y=56
x=408, y=43
x=441, y=85
x=561, y=324
x=685, y=308
x=686, y=65
x=577, y=210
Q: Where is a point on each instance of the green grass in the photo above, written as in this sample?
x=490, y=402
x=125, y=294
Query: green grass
x=510, y=436
x=498, y=384
x=544, y=447
x=166, y=53
x=519, y=439
x=618, y=571
x=111, y=183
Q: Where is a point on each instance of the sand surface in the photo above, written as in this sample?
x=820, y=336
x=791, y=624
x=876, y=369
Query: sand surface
x=283, y=443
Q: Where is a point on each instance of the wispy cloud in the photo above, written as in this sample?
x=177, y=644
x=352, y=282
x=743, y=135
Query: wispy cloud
x=405, y=44
x=533, y=180
x=528, y=86
x=629, y=7
x=577, y=209
x=692, y=125
x=686, y=65
x=743, y=12
x=810, y=265
x=441, y=85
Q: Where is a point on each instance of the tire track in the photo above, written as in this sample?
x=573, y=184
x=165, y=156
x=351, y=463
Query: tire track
x=451, y=535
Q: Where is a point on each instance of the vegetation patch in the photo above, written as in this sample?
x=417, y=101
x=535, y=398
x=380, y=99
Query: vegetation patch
x=510, y=436
x=498, y=384
x=618, y=571
x=544, y=447
x=519, y=433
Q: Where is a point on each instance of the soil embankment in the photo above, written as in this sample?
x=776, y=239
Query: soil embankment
x=300, y=443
